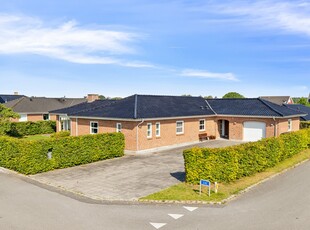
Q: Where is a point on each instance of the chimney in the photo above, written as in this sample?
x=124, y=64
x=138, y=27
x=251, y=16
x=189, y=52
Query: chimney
x=15, y=93
x=92, y=97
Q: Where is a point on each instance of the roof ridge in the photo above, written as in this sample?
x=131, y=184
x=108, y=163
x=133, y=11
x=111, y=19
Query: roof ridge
x=270, y=107
x=206, y=100
x=18, y=100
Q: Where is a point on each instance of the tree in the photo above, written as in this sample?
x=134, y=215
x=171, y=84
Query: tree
x=208, y=97
x=233, y=95
x=303, y=101
x=6, y=114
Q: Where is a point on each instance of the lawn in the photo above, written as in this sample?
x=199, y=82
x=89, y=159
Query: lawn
x=37, y=137
x=187, y=192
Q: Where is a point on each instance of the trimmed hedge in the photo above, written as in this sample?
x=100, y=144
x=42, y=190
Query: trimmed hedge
x=304, y=124
x=30, y=157
x=17, y=129
x=231, y=163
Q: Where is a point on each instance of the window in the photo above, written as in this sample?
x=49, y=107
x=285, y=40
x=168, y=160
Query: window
x=180, y=127
x=94, y=127
x=118, y=127
x=157, y=129
x=202, y=125
x=149, y=130
x=289, y=123
x=23, y=117
x=46, y=117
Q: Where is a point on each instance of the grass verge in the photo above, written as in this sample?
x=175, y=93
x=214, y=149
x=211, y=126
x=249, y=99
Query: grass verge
x=37, y=137
x=188, y=192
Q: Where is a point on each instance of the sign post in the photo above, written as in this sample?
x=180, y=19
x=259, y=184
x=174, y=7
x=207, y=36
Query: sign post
x=205, y=183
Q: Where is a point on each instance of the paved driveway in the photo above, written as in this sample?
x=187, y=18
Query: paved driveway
x=126, y=178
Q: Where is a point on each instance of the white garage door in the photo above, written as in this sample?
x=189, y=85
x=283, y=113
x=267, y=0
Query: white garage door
x=253, y=130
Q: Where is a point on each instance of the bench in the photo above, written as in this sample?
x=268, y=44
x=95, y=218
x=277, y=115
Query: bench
x=203, y=136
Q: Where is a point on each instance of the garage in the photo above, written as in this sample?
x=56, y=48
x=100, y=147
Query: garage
x=253, y=130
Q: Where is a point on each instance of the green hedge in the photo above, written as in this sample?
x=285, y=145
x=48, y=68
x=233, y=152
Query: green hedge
x=17, y=129
x=231, y=163
x=30, y=157
x=304, y=124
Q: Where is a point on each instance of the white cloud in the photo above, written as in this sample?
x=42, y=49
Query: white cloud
x=207, y=74
x=67, y=41
x=289, y=16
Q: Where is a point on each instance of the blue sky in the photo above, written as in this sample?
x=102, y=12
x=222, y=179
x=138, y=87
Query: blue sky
x=118, y=48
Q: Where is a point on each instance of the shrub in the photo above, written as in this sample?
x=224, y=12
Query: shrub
x=17, y=129
x=304, y=124
x=231, y=163
x=30, y=157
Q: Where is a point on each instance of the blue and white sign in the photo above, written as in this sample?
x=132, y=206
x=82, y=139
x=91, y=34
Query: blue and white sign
x=205, y=183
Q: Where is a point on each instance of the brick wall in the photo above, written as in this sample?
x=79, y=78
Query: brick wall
x=283, y=125
x=137, y=139
x=236, y=126
x=168, y=134
x=82, y=127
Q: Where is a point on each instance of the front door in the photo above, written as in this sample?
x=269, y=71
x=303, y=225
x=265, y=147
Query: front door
x=224, y=128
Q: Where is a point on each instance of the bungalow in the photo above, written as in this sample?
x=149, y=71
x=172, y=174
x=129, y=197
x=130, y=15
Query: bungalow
x=152, y=122
x=37, y=108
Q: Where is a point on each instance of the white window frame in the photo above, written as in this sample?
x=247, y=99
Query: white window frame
x=176, y=124
x=204, y=125
x=119, y=127
x=157, y=129
x=289, y=125
x=149, y=130
x=23, y=117
x=91, y=131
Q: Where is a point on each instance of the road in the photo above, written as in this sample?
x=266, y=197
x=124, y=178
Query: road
x=280, y=203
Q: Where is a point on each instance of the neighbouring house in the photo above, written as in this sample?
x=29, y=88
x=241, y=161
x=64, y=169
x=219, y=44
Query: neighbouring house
x=4, y=98
x=301, y=109
x=153, y=122
x=278, y=99
x=37, y=108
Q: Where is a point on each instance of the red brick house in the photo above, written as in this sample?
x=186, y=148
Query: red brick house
x=151, y=122
x=37, y=108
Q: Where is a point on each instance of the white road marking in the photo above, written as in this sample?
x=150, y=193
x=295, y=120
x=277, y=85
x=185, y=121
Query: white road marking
x=190, y=208
x=176, y=216
x=158, y=225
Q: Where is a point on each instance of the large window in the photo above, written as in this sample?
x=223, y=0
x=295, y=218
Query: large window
x=149, y=130
x=202, y=125
x=289, y=124
x=23, y=117
x=94, y=127
x=180, y=127
x=157, y=129
x=118, y=127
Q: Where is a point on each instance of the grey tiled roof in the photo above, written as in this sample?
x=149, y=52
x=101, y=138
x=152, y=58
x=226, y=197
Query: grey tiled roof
x=42, y=104
x=150, y=106
x=276, y=99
